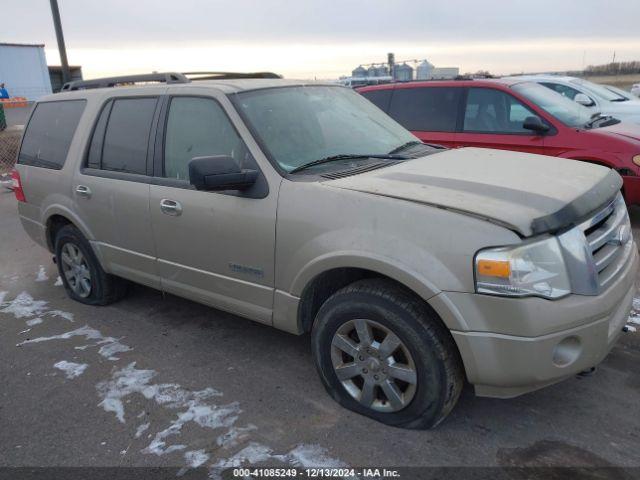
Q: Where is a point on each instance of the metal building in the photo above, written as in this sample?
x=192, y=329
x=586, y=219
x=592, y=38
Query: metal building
x=23, y=70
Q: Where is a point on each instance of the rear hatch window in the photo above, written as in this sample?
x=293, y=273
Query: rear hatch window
x=49, y=133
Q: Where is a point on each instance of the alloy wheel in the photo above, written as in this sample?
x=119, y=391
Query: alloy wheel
x=76, y=270
x=374, y=365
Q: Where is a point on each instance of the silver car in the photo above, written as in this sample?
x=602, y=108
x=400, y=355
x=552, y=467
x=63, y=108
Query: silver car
x=598, y=98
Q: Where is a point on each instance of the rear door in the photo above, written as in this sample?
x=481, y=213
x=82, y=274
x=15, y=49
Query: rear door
x=111, y=190
x=493, y=119
x=431, y=113
x=213, y=247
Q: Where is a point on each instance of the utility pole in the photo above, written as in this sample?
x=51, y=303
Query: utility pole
x=66, y=73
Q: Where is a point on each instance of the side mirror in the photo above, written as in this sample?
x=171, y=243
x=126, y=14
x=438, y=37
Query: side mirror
x=535, y=124
x=219, y=172
x=583, y=99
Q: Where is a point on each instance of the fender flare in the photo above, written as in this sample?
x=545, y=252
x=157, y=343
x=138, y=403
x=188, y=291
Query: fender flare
x=395, y=270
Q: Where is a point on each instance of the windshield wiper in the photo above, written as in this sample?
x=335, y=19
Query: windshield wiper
x=595, y=118
x=348, y=156
x=404, y=146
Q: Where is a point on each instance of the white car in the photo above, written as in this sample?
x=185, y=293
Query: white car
x=636, y=89
x=596, y=97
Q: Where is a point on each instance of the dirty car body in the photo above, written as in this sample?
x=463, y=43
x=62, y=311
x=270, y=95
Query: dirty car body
x=412, y=266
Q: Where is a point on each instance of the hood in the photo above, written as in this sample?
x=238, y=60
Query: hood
x=629, y=110
x=626, y=129
x=529, y=194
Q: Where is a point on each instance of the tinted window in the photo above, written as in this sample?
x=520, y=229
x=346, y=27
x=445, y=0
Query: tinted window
x=95, y=149
x=494, y=111
x=49, y=133
x=127, y=135
x=199, y=127
x=429, y=109
x=380, y=98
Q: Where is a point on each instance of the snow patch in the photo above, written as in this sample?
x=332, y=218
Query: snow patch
x=234, y=435
x=71, y=369
x=109, y=345
x=141, y=429
x=631, y=328
x=193, y=406
x=58, y=282
x=25, y=306
x=42, y=275
x=35, y=321
x=195, y=458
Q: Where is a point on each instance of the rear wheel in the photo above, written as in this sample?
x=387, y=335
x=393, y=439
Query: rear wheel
x=82, y=275
x=382, y=352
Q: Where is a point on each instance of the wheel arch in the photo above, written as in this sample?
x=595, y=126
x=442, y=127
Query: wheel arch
x=57, y=216
x=322, y=279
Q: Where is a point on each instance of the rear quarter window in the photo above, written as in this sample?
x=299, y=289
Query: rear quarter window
x=49, y=133
x=427, y=109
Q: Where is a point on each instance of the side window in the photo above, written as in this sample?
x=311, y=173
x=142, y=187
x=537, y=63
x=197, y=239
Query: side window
x=49, y=133
x=127, y=135
x=429, y=109
x=380, y=98
x=494, y=111
x=198, y=127
x=562, y=89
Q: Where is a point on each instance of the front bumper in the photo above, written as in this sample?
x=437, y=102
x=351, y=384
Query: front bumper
x=541, y=342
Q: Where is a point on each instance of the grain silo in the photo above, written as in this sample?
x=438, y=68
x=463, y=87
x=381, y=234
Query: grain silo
x=424, y=70
x=403, y=73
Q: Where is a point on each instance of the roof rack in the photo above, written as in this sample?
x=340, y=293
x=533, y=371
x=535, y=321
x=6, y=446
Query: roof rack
x=230, y=75
x=166, y=77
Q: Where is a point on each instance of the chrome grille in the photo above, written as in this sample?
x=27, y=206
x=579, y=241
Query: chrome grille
x=609, y=241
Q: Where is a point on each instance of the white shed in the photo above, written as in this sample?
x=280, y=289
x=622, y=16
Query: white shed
x=23, y=70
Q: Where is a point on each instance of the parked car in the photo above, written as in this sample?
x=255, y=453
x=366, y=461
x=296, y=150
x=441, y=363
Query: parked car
x=621, y=92
x=592, y=95
x=513, y=114
x=304, y=207
x=636, y=89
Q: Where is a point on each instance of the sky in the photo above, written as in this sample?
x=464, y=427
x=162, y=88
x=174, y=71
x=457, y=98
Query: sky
x=327, y=38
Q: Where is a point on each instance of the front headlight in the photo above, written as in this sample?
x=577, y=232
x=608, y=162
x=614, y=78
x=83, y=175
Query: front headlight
x=532, y=269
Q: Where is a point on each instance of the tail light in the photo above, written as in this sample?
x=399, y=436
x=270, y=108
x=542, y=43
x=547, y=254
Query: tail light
x=17, y=186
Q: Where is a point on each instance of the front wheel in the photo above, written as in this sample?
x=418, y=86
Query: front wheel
x=382, y=353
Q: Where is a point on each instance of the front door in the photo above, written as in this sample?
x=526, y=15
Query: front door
x=494, y=119
x=213, y=247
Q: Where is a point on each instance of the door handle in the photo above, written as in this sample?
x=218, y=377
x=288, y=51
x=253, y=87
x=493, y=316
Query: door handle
x=170, y=207
x=83, y=191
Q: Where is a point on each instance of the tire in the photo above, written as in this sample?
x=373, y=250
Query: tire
x=103, y=288
x=426, y=347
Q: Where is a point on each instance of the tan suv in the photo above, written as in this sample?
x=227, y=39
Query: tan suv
x=305, y=207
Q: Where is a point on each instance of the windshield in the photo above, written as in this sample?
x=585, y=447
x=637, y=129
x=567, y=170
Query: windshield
x=300, y=124
x=567, y=111
x=598, y=90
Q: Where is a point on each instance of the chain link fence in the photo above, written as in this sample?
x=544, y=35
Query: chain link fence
x=9, y=144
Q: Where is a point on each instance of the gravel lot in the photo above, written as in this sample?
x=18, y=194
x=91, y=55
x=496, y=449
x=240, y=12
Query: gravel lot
x=153, y=381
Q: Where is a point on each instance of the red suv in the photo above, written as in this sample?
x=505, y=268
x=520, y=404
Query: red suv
x=512, y=115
